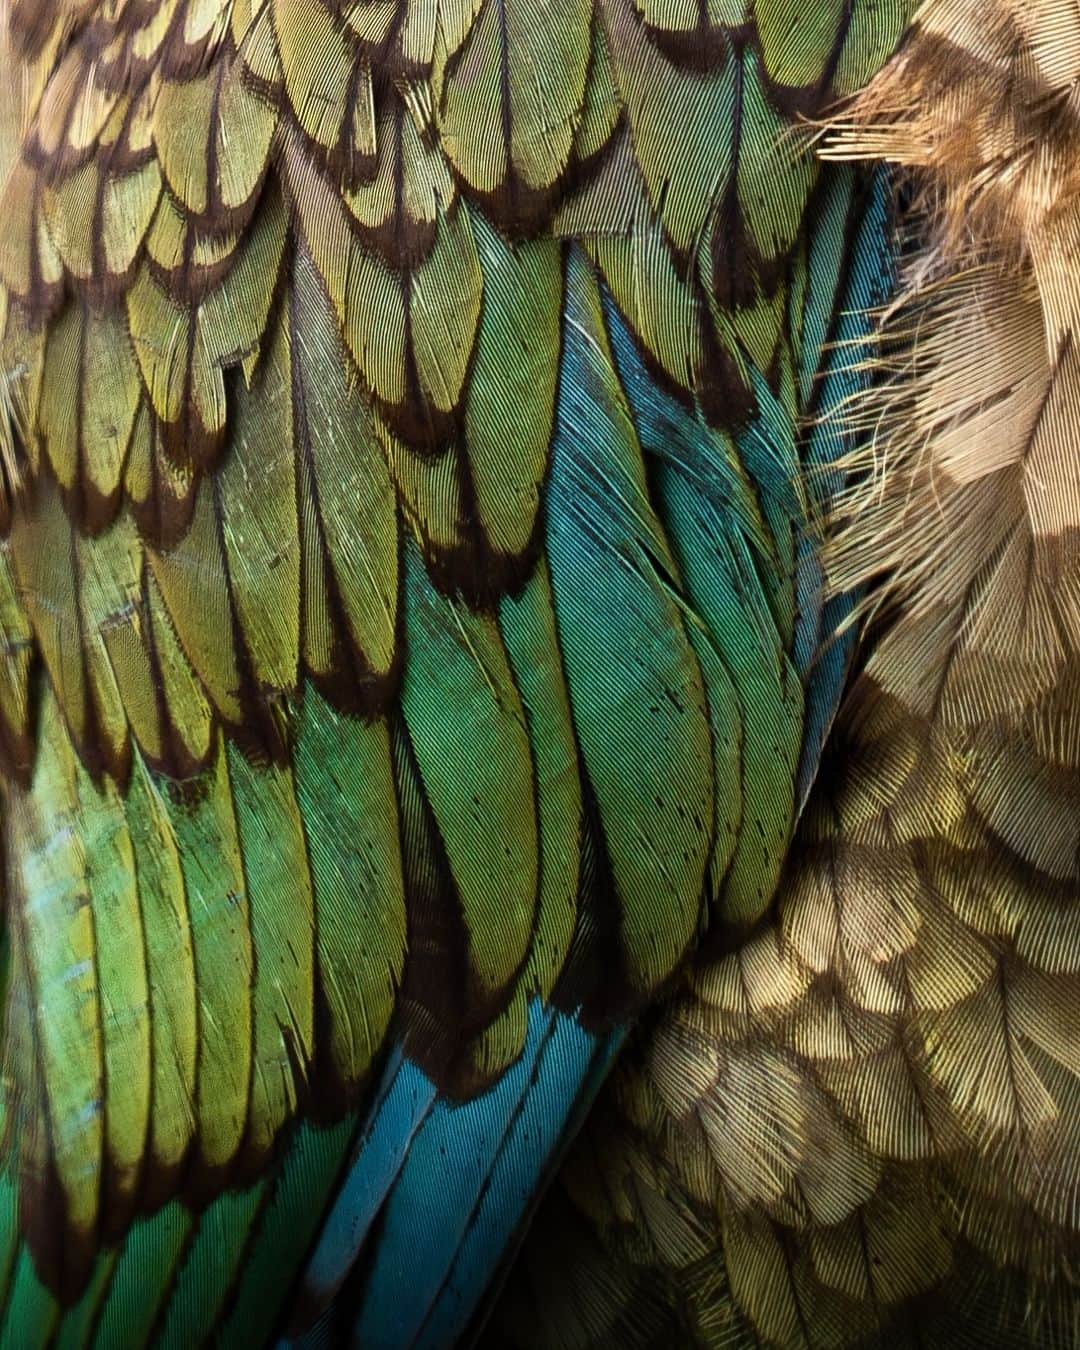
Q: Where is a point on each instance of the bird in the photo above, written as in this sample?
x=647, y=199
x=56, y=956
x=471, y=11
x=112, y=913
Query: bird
x=538, y=626
x=859, y=1126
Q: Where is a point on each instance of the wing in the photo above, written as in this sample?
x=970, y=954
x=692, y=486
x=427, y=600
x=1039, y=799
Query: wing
x=407, y=613
x=861, y=1126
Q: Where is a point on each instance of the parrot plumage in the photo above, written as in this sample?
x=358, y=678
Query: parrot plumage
x=420, y=424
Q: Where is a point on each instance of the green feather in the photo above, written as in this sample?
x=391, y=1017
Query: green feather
x=204, y=821
x=209, y=1269
x=143, y=1278
x=470, y=735
x=346, y=796
x=278, y=882
x=511, y=403
x=287, y=1224
x=532, y=643
x=635, y=686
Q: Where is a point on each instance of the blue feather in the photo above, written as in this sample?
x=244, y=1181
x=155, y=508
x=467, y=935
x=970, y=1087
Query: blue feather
x=436, y=1190
x=472, y=1174
x=864, y=266
x=402, y=1104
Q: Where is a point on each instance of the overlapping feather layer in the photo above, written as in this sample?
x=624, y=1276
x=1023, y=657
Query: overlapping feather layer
x=863, y=1126
x=408, y=597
